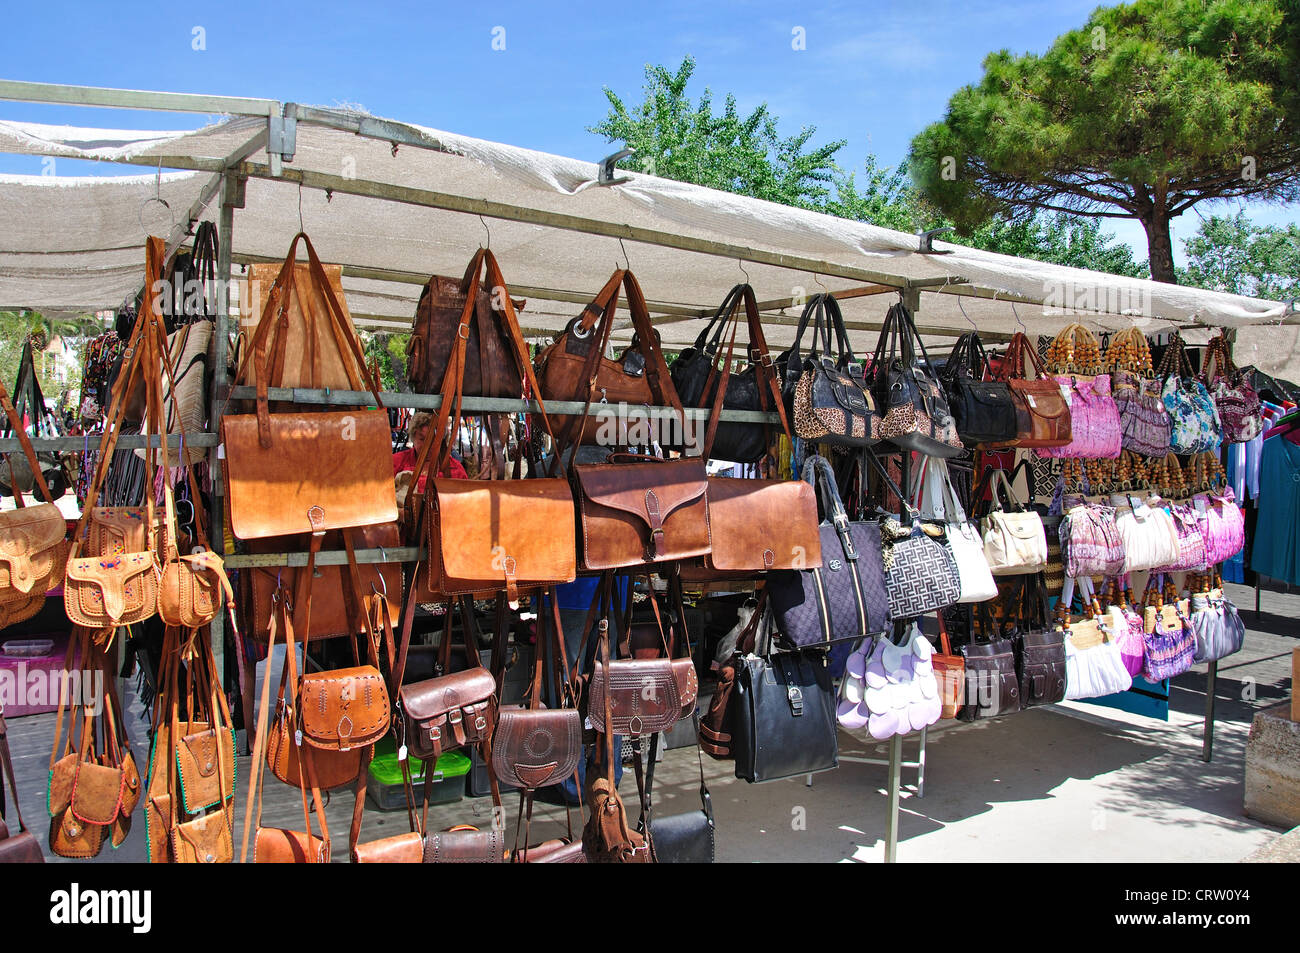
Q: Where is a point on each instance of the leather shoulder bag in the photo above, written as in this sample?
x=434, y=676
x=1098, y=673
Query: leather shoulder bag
x=1042, y=413
x=908, y=392
x=1014, y=541
x=281, y=475
x=828, y=397
x=686, y=838
x=700, y=382
x=21, y=847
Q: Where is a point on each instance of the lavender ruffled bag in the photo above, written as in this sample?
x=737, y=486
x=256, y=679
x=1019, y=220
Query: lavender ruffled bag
x=890, y=689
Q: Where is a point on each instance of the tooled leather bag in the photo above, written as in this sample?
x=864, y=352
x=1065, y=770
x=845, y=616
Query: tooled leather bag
x=574, y=367
x=984, y=410
x=281, y=478
x=536, y=746
x=454, y=710
x=637, y=509
x=826, y=391
x=22, y=847
x=1042, y=413
x=842, y=598
x=33, y=540
x=490, y=368
x=699, y=383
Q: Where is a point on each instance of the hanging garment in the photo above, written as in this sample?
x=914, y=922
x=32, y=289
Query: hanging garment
x=1276, y=552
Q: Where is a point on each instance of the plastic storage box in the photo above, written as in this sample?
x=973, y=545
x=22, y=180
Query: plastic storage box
x=384, y=787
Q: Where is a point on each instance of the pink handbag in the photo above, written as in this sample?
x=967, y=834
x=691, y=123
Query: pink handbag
x=1094, y=419
x=1191, y=538
x=1222, y=524
x=1090, y=539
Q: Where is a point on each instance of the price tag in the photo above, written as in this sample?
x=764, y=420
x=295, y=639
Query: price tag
x=587, y=724
x=221, y=451
x=297, y=738
x=1199, y=503
x=1029, y=399
x=401, y=753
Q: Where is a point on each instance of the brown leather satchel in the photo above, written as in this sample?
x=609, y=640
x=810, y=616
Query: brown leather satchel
x=272, y=845
x=636, y=510
x=560, y=850
x=33, y=540
x=399, y=849
x=574, y=367
x=490, y=366
x=500, y=535
x=451, y=711
x=464, y=844
x=281, y=475
x=20, y=848
x=770, y=524
x=1042, y=413
x=206, y=839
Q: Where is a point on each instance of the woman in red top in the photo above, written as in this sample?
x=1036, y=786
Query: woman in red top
x=404, y=460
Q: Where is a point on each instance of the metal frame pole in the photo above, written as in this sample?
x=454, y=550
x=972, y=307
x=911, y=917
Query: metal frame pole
x=216, y=520
x=1207, y=741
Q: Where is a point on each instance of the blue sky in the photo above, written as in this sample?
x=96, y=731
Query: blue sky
x=873, y=73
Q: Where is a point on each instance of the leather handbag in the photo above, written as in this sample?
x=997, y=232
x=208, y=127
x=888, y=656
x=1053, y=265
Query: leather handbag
x=715, y=726
x=949, y=674
x=1195, y=424
x=934, y=497
x=699, y=382
x=992, y=683
x=451, y=711
x=826, y=390
x=1216, y=625
x=33, y=540
x=405, y=848
x=1143, y=420
x=1042, y=413
x=464, y=844
x=783, y=715
x=1040, y=648
x=1235, y=400
x=491, y=368
x=273, y=845
x=686, y=838
x=920, y=572
x=489, y=535
x=281, y=476
x=1014, y=541
x=984, y=409
x=843, y=596
x=908, y=392
x=890, y=689
x=636, y=510
x=21, y=847
x=771, y=526
x=574, y=367
x=1167, y=631
x=644, y=695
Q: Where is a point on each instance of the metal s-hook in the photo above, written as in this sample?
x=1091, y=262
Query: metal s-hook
x=962, y=308
x=1018, y=321
x=156, y=197
x=740, y=263
x=483, y=221
x=627, y=262
x=301, y=226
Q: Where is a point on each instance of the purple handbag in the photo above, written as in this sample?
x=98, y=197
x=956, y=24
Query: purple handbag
x=1144, y=422
x=1171, y=645
x=1090, y=539
x=1238, y=404
x=1094, y=419
x=1191, y=538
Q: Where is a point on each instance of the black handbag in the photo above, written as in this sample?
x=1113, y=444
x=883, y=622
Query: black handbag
x=1039, y=646
x=695, y=374
x=687, y=838
x=825, y=393
x=783, y=716
x=845, y=597
x=984, y=410
x=908, y=393
x=992, y=683
x=920, y=572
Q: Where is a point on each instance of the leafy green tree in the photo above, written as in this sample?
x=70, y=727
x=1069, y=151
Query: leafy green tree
x=678, y=139
x=16, y=327
x=1145, y=111
x=1232, y=254
x=390, y=352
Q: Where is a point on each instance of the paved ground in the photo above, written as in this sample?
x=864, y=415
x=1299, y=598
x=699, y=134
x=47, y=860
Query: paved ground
x=1071, y=783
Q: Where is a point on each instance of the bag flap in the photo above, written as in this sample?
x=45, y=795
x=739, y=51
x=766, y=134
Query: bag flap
x=346, y=705
x=273, y=845
x=1042, y=398
x=300, y=485
x=772, y=524
x=831, y=386
x=435, y=697
x=405, y=848
x=502, y=528
x=992, y=394
x=96, y=793
x=1021, y=525
x=108, y=576
x=643, y=695
x=58, y=795
x=207, y=839
x=29, y=540
x=649, y=491
x=537, y=745
x=688, y=685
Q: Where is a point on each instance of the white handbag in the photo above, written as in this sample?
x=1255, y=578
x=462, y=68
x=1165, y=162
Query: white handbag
x=1148, y=531
x=1015, y=542
x=1093, y=664
x=936, y=500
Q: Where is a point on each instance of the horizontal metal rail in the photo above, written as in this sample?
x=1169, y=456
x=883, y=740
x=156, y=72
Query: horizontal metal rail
x=130, y=441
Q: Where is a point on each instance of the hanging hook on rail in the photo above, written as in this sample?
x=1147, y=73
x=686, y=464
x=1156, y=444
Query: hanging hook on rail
x=488, y=230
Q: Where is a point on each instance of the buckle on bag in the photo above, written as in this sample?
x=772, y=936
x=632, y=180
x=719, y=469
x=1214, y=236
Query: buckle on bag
x=795, y=695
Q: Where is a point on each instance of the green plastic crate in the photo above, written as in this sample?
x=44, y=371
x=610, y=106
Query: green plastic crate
x=385, y=789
